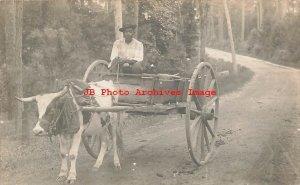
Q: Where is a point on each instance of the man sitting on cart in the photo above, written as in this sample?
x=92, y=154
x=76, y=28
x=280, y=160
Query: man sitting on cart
x=127, y=52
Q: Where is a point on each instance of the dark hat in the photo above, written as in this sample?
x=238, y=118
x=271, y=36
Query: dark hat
x=127, y=27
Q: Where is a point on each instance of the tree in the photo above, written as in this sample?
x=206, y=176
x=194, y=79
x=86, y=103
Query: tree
x=260, y=15
x=230, y=37
x=283, y=8
x=190, y=27
x=243, y=21
x=13, y=58
x=212, y=27
x=220, y=25
x=203, y=11
x=136, y=16
x=3, y=76
x=118, y=18
x=194, y=15
x=257, y=16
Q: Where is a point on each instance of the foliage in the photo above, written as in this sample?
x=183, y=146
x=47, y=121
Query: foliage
x=162, y=16
x=60, y=43
x=62, y=49
x=278, y=41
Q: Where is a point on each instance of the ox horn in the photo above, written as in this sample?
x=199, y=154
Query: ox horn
x=29, y=99
x=62, y=92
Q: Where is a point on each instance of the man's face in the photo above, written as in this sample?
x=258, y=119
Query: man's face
x=128, y=34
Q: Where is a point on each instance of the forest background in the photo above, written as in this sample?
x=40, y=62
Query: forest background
x=42, y=41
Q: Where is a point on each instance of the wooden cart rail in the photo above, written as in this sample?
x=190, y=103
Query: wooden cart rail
x=107, y=109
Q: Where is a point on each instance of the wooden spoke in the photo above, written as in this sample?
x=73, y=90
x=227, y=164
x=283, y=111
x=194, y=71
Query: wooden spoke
x=196, y=111
x=212, y=84
x=203, y=79
x=207, y=80
x=211, y=101
x=202, y=142
x=209, y=129
x=206, y=138
x=195, y=134
x=195, y=122
x=96, y=71
x=195, y=130
x=198, y=100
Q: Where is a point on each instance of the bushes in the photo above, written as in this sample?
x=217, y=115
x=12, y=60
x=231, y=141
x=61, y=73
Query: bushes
x=279, y=41
x=60, y=43
x=64, y=48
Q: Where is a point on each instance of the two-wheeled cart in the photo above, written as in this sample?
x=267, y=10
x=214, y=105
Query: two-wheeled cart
x=196, y=97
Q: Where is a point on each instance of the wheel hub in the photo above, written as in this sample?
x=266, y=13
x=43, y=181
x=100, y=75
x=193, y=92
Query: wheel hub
x=207, y=113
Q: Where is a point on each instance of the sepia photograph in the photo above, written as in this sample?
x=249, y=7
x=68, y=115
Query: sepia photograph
x=150, y=92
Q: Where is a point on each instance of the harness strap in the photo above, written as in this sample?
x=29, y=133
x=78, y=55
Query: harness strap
x=74, y=100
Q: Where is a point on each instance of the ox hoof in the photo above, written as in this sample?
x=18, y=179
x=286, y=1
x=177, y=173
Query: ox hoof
x=70, y=181
x=117, y=166
x=95, y=169
x=61, y=178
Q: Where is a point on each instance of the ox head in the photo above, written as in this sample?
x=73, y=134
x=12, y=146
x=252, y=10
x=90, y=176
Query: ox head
x=46, y=110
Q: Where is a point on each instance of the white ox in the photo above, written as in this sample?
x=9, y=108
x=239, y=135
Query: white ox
x=69, y=143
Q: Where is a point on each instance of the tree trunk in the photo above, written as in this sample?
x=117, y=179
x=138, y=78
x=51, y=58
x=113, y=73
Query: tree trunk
x=277, y=8
x=211, y=24
x=257, y=16
x=3, y=67
x=203, y=10
x=230, y=37
x=260, y=15
x=212, y=28
x=190, y=29
x=44, y=12
x=243, y=21
x=106, y=6
x=283, y=8
x=19, y=63
x=136, y=17
x=220, y=25
x=180, y=29
x=13, y=54
x=118, y=18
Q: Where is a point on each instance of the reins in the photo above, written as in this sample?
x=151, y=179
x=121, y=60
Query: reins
x=52, y=127
x=53, y=123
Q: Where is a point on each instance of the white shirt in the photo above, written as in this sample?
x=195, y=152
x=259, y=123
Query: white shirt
x=132, y=51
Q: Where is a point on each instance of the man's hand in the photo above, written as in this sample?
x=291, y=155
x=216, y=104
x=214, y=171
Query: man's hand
x=113, y=63
x=123, y=61
x=131, y=61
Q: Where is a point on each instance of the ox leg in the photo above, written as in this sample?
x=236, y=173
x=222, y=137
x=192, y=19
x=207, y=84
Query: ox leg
x=65, y=143
x=103, y=150
x=74, y=152
x=113, y=131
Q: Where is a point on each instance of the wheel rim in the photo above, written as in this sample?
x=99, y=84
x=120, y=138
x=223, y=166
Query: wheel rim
x=96, y=71
x=92, y=145
x=202, y=115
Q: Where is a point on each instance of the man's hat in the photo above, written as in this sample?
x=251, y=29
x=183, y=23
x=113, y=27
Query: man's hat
x=125, y=27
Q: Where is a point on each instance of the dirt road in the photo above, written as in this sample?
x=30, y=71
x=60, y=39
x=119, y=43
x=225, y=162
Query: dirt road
x=259, y=132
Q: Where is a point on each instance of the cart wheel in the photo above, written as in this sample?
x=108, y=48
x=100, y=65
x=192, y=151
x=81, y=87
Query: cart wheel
x=96, y=71
x=92, y=145
x=202, y=114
